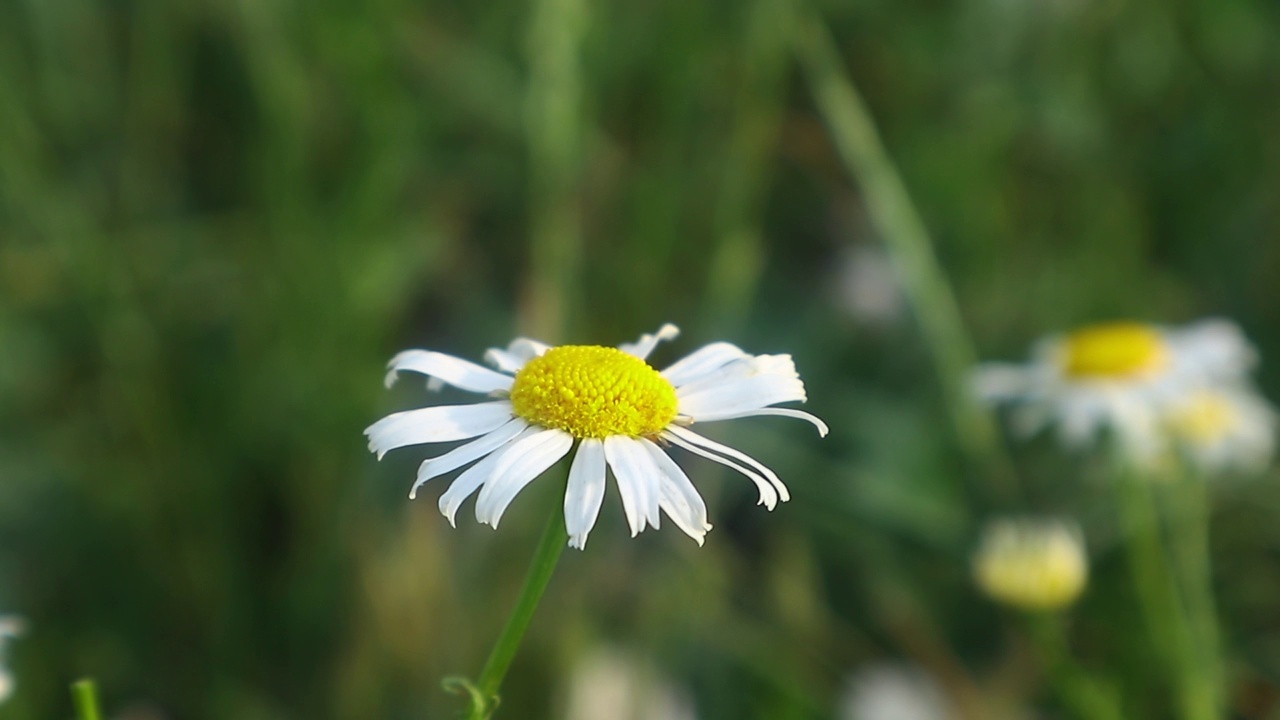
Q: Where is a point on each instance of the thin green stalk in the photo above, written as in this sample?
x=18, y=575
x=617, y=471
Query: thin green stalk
x=1169, y=625
x=1087, y=697
x=85, y=696
x=907, y=242
x=484, y=694
x=554, y=130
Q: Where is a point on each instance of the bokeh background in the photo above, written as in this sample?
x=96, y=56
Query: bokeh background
x=218, y=220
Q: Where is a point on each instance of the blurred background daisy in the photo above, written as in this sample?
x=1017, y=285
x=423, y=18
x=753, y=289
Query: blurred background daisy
x=219, y=220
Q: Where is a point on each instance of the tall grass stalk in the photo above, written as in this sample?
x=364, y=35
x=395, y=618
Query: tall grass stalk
x=739, y=257
x=554, y=130
x=907, y=241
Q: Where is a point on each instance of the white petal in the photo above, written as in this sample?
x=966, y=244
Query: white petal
x=784, y=412
x=452, y=370
x=645, y=345
x=519, y=352
x=443, y=423
x=585, y=492
x=459, y=456
x=475, y=476
x=776, y=366
x=1215, y=347
x=525, y=460
x=702, y=361
x=768, y=494
x=740, y=396
x=696, y=439
x=637, y=478
x=998, y=382
x=679, y=499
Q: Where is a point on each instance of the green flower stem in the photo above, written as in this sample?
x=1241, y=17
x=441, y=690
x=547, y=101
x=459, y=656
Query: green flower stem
x=1189, y=506
x=85, y=696
x=907, y=243
x=1086, y=696
x=552, y=544
x=1171, y=627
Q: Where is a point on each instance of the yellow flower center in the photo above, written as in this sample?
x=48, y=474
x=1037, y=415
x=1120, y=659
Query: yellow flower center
x=594, y=392
x=1205, y=418
x=1114, y=350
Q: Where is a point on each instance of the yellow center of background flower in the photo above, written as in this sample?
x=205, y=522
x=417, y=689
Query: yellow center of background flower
x=1205, y=418
x=1115, y=350
x=594, y=392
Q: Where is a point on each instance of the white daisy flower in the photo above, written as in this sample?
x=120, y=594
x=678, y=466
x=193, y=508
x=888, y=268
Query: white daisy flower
x=1223, y=429
x=1115, y=376
x=11, y=626
x=1032, y=564
x=619, y=411
x=618, y=685
x=894, y=692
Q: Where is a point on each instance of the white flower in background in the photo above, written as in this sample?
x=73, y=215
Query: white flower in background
x=866, y=286
x=893, y=692
x=1031, y=564
x=620, y=411
x=11, y=627
x=614, y=684
x=1116, y=376
x=1223, y=429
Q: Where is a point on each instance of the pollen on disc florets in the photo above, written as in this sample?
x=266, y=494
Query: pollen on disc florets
x=593, y=392
x=1206, y=417
x=1114, y=350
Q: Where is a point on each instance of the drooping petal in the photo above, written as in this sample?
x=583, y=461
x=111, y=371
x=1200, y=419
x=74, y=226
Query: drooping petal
x=680, y=500
x=459, y=456
x=443, y=423
x=702, y=361
x=452, y=370
x=783, y=412
x=518, y=352
x=585, y=491
x=475, y=476
x=526, y=460
x=768, y=494
x=637, y=480
x=708, y=444
x=645, y=345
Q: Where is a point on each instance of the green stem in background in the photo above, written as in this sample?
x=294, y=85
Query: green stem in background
x=484, y=693
x=554, y=130
x=907, y=243
x=85, y=696
x=1171, y=628
x=1189, y=509
x=1087, y=697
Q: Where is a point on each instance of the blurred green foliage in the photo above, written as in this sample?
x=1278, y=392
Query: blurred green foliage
x=218, y=220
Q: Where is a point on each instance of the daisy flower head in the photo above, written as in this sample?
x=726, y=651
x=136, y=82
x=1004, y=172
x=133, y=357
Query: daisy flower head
x=11, y=626
x=620, y=412
x=1223, y=429
x=1031, y=564
x=1114, y=377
